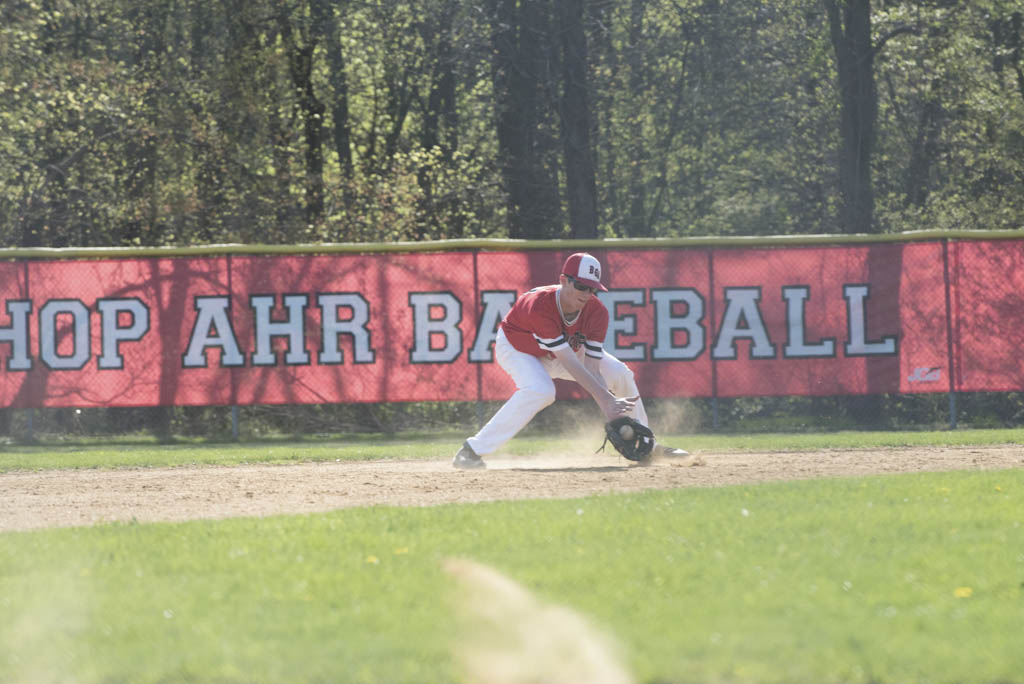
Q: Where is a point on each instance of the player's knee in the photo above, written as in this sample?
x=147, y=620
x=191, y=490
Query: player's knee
x=622, y=379
x=540, y=395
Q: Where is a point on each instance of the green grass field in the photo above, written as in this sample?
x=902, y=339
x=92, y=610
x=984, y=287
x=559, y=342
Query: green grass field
x=906, y=578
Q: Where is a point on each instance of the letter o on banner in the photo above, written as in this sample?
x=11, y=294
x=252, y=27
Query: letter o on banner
x=49, y=314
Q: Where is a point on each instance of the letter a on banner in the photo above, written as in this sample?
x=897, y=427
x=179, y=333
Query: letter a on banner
x=212, y=329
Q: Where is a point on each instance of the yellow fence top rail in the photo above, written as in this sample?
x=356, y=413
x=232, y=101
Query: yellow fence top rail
x=495, y=244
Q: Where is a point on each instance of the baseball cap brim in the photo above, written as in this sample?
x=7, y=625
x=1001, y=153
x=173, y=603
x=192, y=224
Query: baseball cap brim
x=592, y=283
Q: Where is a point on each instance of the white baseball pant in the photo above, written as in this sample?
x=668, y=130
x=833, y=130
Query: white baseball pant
x=535, y=390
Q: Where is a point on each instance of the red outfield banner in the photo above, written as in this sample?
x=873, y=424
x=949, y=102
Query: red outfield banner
x=852, y=319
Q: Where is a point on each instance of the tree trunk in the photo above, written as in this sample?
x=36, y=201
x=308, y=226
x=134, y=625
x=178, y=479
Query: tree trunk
x=142, y=151
x=326, y=25
x=440, y=121
x=1017, y=54
x=924, y=149
x=533, y=203
x=850, y=27
x=581, y=183
x=398, y=102
x=636, y=222
x=311, y=109
x=1006, y=38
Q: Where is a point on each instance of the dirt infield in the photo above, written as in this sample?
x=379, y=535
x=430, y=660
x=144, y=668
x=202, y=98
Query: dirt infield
x=56, y=498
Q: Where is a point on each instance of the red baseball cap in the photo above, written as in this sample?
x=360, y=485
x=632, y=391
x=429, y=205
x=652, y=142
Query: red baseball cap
x=584, y=268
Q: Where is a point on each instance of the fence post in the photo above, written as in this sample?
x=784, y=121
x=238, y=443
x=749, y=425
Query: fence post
x=479, y=366
x=950, y=331
x=714, y=365
x=234, y=422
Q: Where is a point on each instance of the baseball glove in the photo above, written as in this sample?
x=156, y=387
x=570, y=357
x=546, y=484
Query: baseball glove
x=630, y=438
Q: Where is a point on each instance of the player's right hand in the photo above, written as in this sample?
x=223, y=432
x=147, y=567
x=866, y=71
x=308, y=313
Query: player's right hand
x=616, y=406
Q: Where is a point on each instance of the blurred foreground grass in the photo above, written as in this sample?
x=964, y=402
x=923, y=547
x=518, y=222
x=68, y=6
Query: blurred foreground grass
x=907, y=578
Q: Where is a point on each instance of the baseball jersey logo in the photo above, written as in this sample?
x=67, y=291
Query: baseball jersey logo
x=576, y=340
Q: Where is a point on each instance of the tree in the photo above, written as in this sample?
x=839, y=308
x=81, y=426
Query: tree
x=440, y=128
x=301, y=37
x=951, y=119
x=145, y=122
x=325, y=23
x=850, y=31
x=581, y=185
x=523, y=62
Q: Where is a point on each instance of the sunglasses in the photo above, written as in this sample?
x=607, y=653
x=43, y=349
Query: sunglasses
x=580, y=286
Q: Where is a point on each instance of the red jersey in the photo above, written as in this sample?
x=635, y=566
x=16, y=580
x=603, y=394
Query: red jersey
x=535, y=324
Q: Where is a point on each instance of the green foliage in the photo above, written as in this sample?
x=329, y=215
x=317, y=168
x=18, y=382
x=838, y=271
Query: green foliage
x=952, y=114
x=852, y=580
x=157, y=123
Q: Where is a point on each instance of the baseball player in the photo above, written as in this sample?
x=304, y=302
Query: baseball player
x=556, y=331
